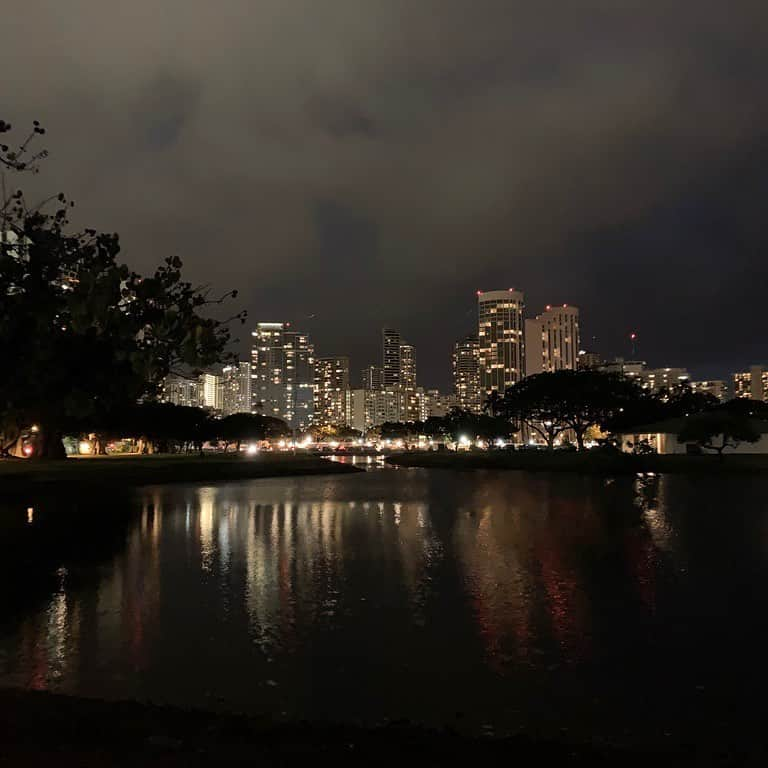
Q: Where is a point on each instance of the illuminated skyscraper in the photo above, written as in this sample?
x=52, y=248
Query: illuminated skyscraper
x=331, y=385
x=466, y=374
x=268, y=370
x=391, y=356
x=236, y=389
x=210, y=391
x=552, y=341
x=501, y=342
x=282, y=374
x=300, y=380
x=407, y=383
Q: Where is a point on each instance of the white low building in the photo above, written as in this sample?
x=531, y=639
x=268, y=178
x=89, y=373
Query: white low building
x=662, y=438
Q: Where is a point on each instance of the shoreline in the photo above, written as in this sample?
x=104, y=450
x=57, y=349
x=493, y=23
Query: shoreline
x=78, y=731
x=582, y=463
x=25, y=474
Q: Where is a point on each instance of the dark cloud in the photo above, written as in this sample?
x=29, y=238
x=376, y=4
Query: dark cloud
x=370, y=162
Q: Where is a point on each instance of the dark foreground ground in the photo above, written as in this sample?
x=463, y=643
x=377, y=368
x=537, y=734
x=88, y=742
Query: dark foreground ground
x=40, y=729
x=21, y=474
x=587, y=462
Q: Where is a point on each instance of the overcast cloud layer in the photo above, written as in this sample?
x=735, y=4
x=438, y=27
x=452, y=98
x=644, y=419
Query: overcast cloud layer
x=350, y=163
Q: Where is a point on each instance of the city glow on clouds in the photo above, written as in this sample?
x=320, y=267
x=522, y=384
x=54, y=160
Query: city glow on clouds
x=279, y=139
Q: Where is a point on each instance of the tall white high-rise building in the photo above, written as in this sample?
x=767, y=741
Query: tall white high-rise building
x=501, y=341
x=552, y=340
x=331, y=385
x=282, y=374
x=357, y=410
x=466, y=374
x=210, y=391
x=410, y=401
x=268, y=391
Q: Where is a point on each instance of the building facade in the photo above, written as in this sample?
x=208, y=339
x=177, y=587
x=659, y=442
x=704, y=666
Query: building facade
x=501, y=340
x=552, y=341
x=657, y=379
x=356, y=410
x=432, y=402
x=210, y=391
x=331, y=386
x=179, y=390
x=407, y=383
x=300, y=378
x=390, y=342
x=716, y=388
x=751, y=384
x=588, y=360
x=282, y=374
x=372, y=377
x=466, y=374
x=235, y=384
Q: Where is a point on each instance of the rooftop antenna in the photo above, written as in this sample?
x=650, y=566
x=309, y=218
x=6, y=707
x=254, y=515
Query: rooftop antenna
x=633, y=339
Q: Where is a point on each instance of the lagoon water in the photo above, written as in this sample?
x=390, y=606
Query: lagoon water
x=622, y=609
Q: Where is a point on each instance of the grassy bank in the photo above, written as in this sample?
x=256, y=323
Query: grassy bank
x=20, y=474
x=587, y=462
x=40, y=729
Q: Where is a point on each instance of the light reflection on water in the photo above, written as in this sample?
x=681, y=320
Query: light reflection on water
x=403, y=593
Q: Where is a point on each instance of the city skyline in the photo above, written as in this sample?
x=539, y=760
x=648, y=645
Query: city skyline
x=435, y=355
x=555, y=332
x=508, y=347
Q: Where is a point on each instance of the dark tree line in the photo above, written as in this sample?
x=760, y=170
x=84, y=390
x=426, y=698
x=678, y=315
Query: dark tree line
x=166, y=428
x=550, y=405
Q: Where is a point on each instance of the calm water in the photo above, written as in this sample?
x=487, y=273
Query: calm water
x=625, y=609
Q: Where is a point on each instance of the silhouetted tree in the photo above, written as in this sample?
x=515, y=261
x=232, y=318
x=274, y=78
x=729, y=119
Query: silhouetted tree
x=242, y=427
x=750, y=409
x=494, y=403
x=86, y=334
x=682, y=400
x=460, y=422
x=718, y=430
x=550, y=403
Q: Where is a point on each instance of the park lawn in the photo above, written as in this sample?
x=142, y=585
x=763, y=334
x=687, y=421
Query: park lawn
x=21, y=474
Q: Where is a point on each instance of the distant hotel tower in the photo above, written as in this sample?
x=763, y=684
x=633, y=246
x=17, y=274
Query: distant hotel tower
x=410, y=400
x=282, y=374
x=500, y=335
x=331, y=385
x=552, y=341
x=466, y=374
x=390, y=340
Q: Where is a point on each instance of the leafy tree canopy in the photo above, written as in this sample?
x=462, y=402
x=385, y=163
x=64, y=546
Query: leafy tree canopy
x=550, y=403
x=81, y=334
x=718, y=430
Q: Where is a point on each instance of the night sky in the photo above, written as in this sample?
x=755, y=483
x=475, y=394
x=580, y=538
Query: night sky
x=353, y=163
